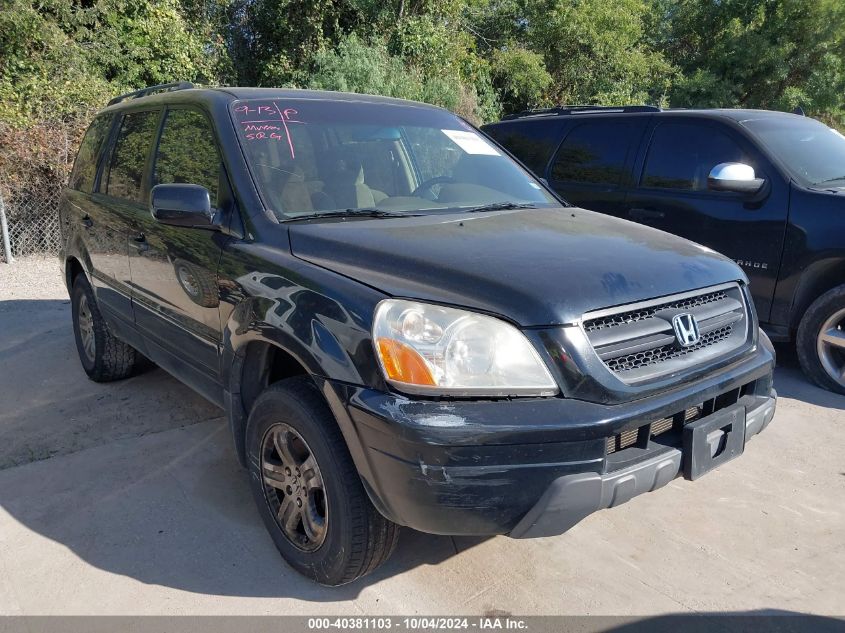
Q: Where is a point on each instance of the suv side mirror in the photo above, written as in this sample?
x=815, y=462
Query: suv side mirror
x=735, y=177
x=182, y=205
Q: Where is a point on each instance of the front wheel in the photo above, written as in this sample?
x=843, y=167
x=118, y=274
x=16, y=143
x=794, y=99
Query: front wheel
x=821, y=341
x=308, y=492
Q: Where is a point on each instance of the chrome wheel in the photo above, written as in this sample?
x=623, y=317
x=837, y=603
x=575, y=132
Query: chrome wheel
x=831, y=346
x=293, y=487
x=85, y=322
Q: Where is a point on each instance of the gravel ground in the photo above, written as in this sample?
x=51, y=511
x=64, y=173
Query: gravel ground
x=33, y=277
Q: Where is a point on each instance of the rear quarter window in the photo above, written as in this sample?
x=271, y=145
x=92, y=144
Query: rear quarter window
x=87, y=159
x=532, y=142
x=594, y=153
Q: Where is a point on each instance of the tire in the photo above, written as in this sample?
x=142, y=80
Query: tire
x=348, y=537
x=198, y=283
x=104, y=358
x=821, y=350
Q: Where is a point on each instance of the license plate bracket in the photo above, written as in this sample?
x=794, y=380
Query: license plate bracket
x=713, y=440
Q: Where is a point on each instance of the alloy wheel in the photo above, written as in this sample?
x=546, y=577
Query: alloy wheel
x=85, y=322
x=831, y=346
x=293, y=487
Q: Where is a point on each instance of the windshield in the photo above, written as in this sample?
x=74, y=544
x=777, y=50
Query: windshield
x=313, y=156
x=813, y=152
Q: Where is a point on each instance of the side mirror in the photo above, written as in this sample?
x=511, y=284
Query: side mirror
x=182, y=205
x=735, y=177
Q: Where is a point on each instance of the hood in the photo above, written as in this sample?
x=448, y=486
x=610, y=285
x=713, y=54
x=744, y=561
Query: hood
x=534, y=266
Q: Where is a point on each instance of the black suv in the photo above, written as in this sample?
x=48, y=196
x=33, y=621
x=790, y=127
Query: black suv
x=765, y=188
x=403, y=325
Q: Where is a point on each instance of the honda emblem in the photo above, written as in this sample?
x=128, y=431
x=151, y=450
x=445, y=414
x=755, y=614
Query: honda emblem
x=686, y=329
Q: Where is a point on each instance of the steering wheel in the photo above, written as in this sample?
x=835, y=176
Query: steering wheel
x=426, y=187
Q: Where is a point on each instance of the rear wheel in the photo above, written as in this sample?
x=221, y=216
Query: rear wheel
x=821, y=341
x=308, y=492
x=104, y=358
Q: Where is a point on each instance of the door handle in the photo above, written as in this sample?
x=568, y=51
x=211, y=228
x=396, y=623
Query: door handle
x=639, y=213
x=139, y=243
x=87, y=222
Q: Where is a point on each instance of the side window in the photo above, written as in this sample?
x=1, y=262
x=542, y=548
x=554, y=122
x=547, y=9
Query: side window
x=85, y=166
x=531, y=141
x=187, y=152
x=126, y=170
x=594, y=153
x=681, y=156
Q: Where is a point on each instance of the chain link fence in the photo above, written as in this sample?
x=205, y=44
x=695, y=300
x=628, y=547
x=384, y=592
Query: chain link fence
x=32, y=218
x=34, y=168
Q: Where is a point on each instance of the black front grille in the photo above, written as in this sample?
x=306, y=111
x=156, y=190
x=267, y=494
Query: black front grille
x=637, y=342
x=633, y=316
x=660, y=354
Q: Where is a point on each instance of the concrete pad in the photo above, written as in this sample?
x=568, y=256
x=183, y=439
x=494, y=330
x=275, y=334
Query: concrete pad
x=126, y=498
x=164, y=524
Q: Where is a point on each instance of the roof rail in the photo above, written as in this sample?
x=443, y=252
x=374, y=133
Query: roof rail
x=580, y=109
x=143, y=92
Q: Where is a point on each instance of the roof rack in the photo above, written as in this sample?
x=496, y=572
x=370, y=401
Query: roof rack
x=143, y=92
x=580, y=109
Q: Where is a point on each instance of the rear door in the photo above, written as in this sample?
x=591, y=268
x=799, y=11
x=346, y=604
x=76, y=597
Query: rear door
x=117, y=199
x=591, y=168
x=671, y=194
x=174, y=269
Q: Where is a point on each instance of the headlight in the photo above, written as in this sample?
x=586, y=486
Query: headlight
x=431, y=349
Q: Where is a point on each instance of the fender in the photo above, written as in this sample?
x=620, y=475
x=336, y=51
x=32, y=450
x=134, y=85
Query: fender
x=817, y=278
x=317, y=349
x=75, y=251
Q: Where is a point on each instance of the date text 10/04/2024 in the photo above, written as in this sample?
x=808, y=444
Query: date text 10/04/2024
x=416, y=623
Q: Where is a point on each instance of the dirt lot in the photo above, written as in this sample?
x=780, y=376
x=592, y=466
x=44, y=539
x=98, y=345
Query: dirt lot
x=126, y=498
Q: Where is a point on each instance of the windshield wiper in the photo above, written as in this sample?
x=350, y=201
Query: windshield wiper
x=821, y=182
x=353, y=213
x=498, y=206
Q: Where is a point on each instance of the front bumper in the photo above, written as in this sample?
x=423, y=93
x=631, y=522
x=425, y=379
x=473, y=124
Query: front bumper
x=524, y=467
x=573, y=497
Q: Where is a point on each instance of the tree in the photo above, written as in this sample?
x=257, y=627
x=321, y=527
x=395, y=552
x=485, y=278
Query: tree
x=358, y=66
x=766, y=54
x=597, y=51
x=520, y=78
x=59, y=58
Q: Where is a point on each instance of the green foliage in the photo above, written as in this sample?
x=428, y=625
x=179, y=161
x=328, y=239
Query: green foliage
x=44, y=73
x=771, y=54
x=520, y=77
x=356, y=66
x=60, y=59
x=596, y=51
x=273, y=42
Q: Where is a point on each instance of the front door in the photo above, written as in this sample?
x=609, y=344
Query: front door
x=174, y=269
x=671, y=194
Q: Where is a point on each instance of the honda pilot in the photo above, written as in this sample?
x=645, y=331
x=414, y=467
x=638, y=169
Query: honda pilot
x=403, y=325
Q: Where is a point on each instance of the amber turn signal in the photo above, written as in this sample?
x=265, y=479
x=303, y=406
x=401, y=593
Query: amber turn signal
x=403, y=364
